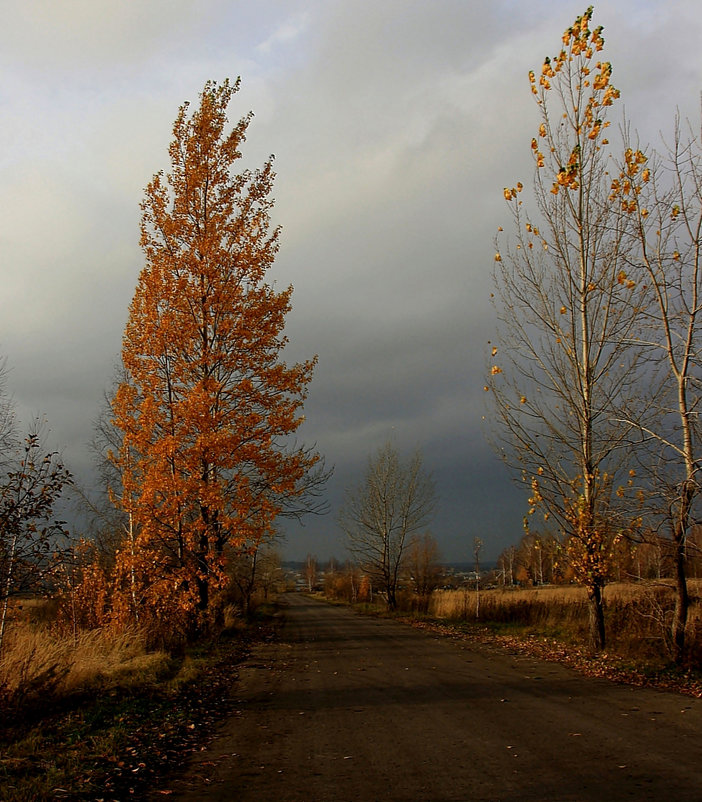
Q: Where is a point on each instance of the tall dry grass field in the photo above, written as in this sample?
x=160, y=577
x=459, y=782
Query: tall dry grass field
x=39, y=662
x=638, y=616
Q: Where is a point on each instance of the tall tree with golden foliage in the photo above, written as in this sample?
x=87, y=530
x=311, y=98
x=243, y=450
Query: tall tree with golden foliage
x=207, y=403
x=567, y=310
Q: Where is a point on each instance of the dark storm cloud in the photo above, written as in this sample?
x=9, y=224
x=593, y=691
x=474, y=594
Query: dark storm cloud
x=395, y=126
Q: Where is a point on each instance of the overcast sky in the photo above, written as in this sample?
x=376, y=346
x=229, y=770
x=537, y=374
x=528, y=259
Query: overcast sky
x=395, y=125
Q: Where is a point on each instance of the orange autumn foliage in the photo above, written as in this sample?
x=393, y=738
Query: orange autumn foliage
x=208, y=403
x=85, y=590
x=584, y=83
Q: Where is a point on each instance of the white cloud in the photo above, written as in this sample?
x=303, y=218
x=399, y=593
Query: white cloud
x=286, y=33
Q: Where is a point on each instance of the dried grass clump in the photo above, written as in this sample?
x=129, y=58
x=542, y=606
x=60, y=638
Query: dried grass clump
x=37, y=663
x=110, y=658
x=31, y=666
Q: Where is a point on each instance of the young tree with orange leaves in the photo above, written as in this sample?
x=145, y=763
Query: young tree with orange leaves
x=566, y=310
x=207, y=403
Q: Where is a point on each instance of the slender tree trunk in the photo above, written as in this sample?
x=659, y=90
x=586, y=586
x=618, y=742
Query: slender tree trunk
x=597, y=625
x=392, y=598
x=682, y=598
x=5, y=603
x=682, y=604
x=682, y=524
x=597, y=622
x=203, y=593
x=7, y=589
x=132, y=570
x=250, y=585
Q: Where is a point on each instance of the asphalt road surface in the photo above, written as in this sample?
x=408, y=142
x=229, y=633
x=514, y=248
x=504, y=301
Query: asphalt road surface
x=345, y=707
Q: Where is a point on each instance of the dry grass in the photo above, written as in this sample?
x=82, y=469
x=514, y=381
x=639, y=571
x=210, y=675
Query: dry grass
x=462, y=603
x=117, y=744
x=37, y=662
x=638, y=616
x=99, y=716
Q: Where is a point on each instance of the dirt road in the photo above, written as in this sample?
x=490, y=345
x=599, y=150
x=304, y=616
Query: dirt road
x=346, y=707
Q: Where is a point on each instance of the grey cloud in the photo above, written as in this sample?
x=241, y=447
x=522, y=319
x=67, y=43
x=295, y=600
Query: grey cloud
x=395, y=126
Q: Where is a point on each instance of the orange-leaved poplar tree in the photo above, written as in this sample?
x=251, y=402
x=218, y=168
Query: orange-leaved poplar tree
x=207, y=403
x=567, y=309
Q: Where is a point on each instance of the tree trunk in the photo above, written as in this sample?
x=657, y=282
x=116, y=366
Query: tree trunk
x=7, y=588
x=597, y=622
x=682, y=604
x=203, y=593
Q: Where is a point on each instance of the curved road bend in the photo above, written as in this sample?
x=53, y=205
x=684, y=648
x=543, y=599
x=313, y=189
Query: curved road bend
x=346, y=707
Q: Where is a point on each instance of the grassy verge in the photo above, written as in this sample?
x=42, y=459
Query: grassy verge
x=638, y=616
x=116, y=742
